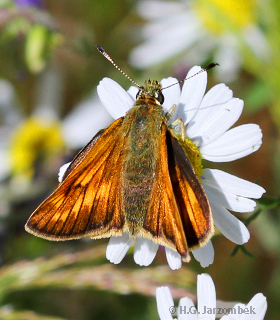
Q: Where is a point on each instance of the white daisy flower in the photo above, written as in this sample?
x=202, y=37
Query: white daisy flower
x=207, y=118
x=207, y=306
x=6, y=116
x=197, y=29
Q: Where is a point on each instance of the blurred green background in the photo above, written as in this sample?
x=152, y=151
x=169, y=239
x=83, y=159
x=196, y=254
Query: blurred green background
x=49, y=70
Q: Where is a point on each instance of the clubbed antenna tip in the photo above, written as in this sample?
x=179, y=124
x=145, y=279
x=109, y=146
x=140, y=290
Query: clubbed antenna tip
x=210, y=66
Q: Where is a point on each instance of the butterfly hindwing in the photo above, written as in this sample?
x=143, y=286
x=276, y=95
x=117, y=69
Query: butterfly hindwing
x=163, y=222
x=179, y=214
x=190, y=196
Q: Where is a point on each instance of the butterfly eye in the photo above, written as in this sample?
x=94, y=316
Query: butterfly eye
x=160, y=97
x=139, y=93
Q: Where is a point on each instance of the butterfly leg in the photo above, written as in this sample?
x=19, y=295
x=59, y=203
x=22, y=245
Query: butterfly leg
x=170, y=112
x=178, y=129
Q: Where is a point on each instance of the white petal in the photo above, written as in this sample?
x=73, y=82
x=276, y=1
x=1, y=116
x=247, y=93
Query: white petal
x=236, y=313
x=228, y=200
x=172, y=94
x=218, y=94
x=62, y=170
x=232, y=317
x=165, y=303
x=132, y=91
x=169, y=42
x=156, y=30
x=186, y=310
x=257, y=41
x=228, y=224
x=114, y=98
x=224, y=306
x=229, y=58
x=214, y=98
x=232, y=184
x=201, y=49
x=173, y=258
x=259, y=305
x=238, y=310
x=7, y=94
x=159, y=9
x=118, y=247
x=234, y=144
x=192, y=93
x=206, y=294
x=145, y=251
x=204, y=255
x=5, y=162
x=210, y=127
x=84, y=122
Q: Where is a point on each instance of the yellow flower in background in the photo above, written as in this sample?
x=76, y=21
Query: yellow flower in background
x=26, y=141
x=198, y=31
x=34, y=139
x=232, y=15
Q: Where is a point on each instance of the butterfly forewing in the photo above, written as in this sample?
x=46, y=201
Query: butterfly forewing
x=88, y=201
x=82, y=154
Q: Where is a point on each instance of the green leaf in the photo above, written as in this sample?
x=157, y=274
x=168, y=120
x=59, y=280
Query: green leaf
x=40, y=42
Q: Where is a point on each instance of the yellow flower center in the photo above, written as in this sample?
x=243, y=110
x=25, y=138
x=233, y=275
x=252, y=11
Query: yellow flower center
x=194, y=156
x=33, y=140
x=219, y=16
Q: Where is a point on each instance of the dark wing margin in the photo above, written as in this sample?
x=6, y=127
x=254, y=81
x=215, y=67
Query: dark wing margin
x=82, y=154
x=88, y=200
x=192, y=201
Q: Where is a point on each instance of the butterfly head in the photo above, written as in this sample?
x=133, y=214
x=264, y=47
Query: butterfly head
x=151, y=88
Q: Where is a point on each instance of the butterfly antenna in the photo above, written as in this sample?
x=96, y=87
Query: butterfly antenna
x=210, y=66
x=105, y=54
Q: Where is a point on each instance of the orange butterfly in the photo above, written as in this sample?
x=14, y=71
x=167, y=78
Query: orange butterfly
x=135, y=177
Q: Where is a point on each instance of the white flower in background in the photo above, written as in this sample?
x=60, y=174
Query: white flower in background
x=194, y=30
x=6, y=101
x=23, y=137
x=207, y=304
x=208, y=118
x=8, y=117
x=38, y=134
x=81, y=125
